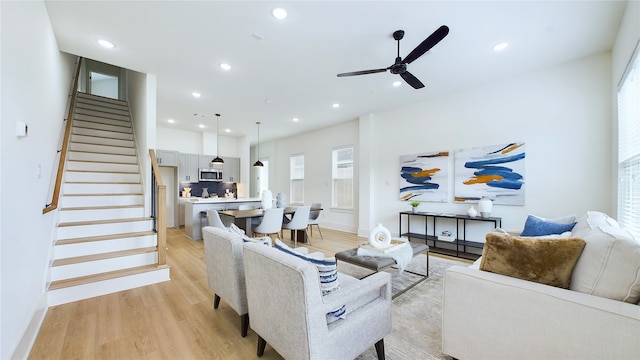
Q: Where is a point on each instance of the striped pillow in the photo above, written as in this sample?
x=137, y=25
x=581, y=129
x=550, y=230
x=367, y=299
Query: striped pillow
x=327, y=268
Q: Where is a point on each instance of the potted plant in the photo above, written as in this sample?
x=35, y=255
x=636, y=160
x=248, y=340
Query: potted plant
x=414, y=205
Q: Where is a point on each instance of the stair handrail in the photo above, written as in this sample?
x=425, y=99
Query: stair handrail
x=65, y=140
x=159, y=208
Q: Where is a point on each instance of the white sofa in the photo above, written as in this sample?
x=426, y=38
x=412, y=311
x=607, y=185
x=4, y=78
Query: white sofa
x=491, y=316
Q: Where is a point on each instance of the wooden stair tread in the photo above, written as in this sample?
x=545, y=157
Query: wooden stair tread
x=102, y=256
x=104, y=237
x=103, y=182
x=108, y=221
x=103, y=171
x=100, y=207
x=60, y=284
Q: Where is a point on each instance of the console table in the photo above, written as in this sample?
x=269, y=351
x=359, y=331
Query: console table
x=430, y=237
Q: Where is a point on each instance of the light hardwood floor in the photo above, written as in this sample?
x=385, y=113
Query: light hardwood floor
x=170, y=320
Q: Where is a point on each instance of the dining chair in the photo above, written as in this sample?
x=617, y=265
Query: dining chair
x=314, y=218
x=271, y=222
x=299, y=221
x=214, y=219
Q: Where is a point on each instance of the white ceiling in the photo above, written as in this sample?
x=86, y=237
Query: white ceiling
x=287, y=68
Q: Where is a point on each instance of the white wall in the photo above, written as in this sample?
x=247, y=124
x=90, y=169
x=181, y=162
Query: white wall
x=562, y=113
x=33, y=71
x=141, y=94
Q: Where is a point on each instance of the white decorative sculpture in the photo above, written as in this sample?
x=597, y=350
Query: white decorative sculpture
x=267, y=199
x=380, y=237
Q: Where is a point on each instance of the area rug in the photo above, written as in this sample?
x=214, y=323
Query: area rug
x=417, y=314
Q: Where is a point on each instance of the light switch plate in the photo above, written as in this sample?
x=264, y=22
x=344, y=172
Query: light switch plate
x=21, y=129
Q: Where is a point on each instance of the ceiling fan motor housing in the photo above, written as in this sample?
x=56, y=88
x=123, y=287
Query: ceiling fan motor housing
x=398, y=68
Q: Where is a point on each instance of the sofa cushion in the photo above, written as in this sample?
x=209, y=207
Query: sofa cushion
x=538, y=226
x=547, y=261
x=610, y=263
x=234, y=229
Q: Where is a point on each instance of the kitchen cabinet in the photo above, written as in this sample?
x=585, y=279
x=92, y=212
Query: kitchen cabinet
x=231, y=169
x=188, y=167
x=167, y=157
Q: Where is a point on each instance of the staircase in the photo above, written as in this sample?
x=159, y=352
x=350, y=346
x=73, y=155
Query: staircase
x=104, y=243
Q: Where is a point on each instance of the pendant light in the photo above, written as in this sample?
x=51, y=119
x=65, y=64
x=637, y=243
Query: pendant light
x=218, y=160
x=258, y=163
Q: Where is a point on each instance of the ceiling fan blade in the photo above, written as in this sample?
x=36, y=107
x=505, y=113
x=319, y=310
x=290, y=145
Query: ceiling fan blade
x=427, y=44
x=363, y=72
x=412, y=80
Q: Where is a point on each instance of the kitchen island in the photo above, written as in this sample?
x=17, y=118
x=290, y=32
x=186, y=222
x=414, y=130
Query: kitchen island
x=194, y=206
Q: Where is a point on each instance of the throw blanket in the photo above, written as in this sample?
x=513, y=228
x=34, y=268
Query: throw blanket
x=402, y=255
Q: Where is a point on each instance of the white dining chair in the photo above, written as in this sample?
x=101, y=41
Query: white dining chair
x=271, y=222
x=299, y=221
x=214, y=219
x=314, y=218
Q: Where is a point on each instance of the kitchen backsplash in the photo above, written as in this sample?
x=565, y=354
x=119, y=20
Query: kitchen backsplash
x=213, y=187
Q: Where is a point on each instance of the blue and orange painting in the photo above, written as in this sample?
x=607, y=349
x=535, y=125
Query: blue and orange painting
x=424, y=177
x=495, y=171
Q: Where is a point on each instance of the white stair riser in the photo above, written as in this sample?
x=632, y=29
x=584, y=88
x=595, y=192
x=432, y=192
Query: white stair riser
x=100, y=266
x=101, y=141
x=102, y=120
x=111, y=167
x=81, y=156
x=102, y=114
x=83, y=176
x=100, y=107
x=86, y=291
x=80, y=231
x=100, y=126
x=102, y=133
x=67, y=216
x=108, y=188
x=83, y=102
x=107, y=200
x=73, y=146
x=98, y=247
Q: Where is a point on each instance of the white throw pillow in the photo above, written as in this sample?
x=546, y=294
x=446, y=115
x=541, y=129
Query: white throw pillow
x=610, y=262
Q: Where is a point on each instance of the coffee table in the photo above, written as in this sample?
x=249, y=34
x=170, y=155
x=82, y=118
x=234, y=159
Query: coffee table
x=379, y=263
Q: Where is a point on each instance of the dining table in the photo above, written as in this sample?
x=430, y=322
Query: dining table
x=243, y=219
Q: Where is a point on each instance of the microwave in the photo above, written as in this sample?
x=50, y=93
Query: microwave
x=209, y=174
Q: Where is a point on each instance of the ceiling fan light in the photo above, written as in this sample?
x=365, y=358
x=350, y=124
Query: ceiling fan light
x=217, y=161
x=258, y=164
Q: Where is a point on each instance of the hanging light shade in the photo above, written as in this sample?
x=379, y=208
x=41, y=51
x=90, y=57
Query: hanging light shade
x=258, y=163
x=218, y=160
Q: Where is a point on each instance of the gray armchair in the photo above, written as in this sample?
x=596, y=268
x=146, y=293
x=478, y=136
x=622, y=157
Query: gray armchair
x=225, y=271
x=289, y=312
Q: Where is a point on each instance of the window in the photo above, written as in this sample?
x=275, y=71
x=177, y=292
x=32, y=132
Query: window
x=629, y=148
x=297, y=179
x=342, y=175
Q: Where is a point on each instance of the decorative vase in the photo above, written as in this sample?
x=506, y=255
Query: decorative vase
x=485, y=205
x=472, y=212
x=205, y=193
x=414, y=209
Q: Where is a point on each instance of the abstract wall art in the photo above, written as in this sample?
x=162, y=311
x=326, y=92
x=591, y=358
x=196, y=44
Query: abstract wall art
x=424, y=177
x=495, y=171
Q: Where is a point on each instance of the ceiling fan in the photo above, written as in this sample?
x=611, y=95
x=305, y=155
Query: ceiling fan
x=400, y=65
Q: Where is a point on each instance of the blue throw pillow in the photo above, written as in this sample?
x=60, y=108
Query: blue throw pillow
x=535, y=226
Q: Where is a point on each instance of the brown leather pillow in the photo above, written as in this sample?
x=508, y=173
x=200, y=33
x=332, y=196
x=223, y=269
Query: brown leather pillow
x=547, y=261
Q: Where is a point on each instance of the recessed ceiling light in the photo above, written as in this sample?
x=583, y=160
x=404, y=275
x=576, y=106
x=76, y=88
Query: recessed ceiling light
x=500, y=46
x=201, y=126
x=397, y=83
x=296, y=119
x=196, y=94
x=268, y=101
x=171, y=121
x=336, y=105
x=279, y=13
x=106, y=44
x=225, y=66
x=227, y=130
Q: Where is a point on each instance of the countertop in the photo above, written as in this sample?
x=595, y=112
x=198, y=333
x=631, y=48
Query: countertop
x=217, y=200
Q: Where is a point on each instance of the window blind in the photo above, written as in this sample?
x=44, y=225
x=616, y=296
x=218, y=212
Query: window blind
x=629, y=148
